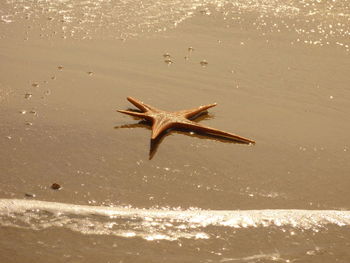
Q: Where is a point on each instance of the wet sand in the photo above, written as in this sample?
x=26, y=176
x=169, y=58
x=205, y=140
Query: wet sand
x=291, y=97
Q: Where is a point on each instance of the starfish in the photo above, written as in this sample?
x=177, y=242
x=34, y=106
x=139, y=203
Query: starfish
x=164, y=120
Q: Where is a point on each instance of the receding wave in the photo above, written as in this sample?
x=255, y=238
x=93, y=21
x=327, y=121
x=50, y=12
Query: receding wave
x=155, y=224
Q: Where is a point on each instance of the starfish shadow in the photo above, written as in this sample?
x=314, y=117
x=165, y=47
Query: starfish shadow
x=154, y=144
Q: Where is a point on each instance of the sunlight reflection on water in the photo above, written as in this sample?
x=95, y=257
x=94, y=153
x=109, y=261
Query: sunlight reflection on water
x=156, y=224
x=314, y=22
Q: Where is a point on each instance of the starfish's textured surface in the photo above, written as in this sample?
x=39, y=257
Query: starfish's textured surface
x=164, y=120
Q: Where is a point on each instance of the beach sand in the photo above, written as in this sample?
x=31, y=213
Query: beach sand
x=59, y=92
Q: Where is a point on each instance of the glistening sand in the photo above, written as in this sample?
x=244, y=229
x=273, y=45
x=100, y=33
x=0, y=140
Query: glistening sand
x=279, y=73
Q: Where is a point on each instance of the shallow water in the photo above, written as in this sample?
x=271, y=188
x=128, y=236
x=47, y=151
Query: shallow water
x=279, y=73
x=214, y=231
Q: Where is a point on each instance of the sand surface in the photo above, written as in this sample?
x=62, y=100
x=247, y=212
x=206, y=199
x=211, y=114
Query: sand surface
x=63, y=75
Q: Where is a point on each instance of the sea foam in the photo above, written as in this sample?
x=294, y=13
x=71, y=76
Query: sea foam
x=156, y=224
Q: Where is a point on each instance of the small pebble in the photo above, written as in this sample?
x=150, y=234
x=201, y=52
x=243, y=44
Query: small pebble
x=29, y=195
x=29, y=123
x=90, y=73
x=190, y=49
x=204, y=63
x=35, y=85
x=168, y=61
x=166, y=55
x=28, y=95
x=23, y=112
x=55, y=186
x=60, y=67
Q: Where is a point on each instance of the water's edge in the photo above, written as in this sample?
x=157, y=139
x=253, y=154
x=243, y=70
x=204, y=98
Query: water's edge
x=156, y=223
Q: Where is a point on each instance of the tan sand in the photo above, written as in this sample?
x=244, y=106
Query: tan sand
x=292, y=98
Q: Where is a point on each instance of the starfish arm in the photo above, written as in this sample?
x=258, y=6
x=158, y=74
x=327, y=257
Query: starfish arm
x=159, y=126
x=135, y=114
x=193, y=112
x=195, y=126
x=142, y=106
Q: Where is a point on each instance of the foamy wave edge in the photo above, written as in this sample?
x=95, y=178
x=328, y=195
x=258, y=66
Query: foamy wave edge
x=157, y=224
x=265, y=217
